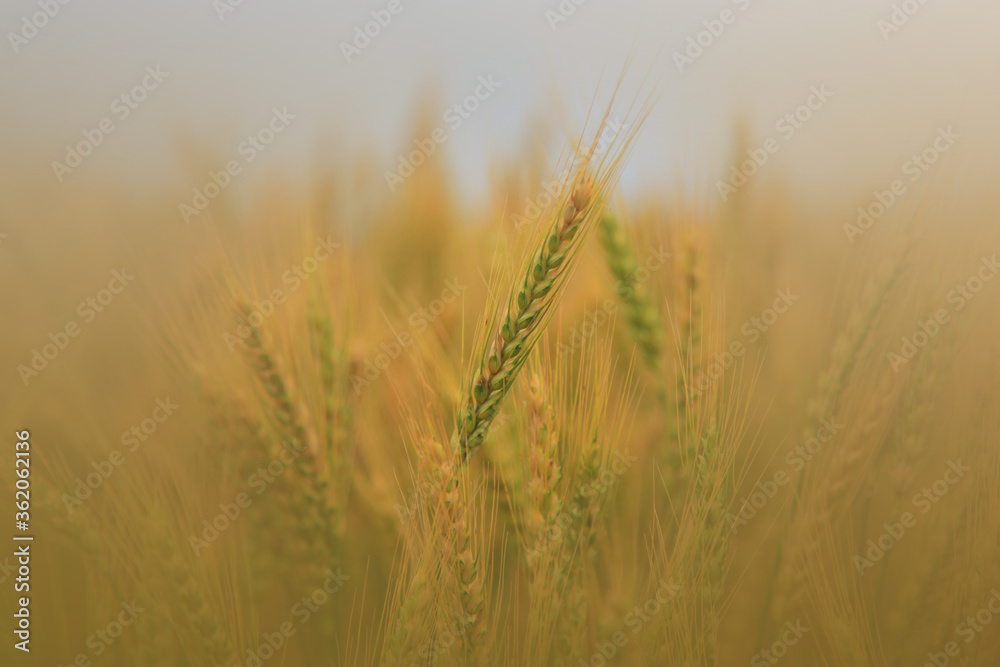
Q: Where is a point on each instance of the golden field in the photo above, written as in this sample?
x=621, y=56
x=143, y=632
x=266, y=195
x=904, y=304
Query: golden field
x=558, y=425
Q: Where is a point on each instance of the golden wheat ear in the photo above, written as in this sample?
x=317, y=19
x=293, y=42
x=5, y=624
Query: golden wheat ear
x=525, y=317
x=514, y=323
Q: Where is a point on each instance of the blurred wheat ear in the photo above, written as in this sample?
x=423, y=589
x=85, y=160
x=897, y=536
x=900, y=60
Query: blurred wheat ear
x=641, y=315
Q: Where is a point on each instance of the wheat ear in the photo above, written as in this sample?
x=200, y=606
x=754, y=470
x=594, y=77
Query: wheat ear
x=524, y=319
x=690, y=322
x=334, y=376
x=641, y=315
x=210, y=630
x=544, y=472
x=462, y=539
x=307, y=499
x=512, y=330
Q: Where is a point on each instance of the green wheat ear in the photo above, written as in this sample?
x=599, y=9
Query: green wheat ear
x=513, y=327
x=641, y=315
x=524, y=318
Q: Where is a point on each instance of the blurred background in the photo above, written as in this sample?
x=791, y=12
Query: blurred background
x=161, y=96
x=231, y=62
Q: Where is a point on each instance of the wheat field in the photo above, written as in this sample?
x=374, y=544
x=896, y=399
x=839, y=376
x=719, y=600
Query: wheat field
x=592, y=431
x=358, y=417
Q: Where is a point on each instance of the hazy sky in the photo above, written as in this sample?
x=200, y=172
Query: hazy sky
x=228, y=65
